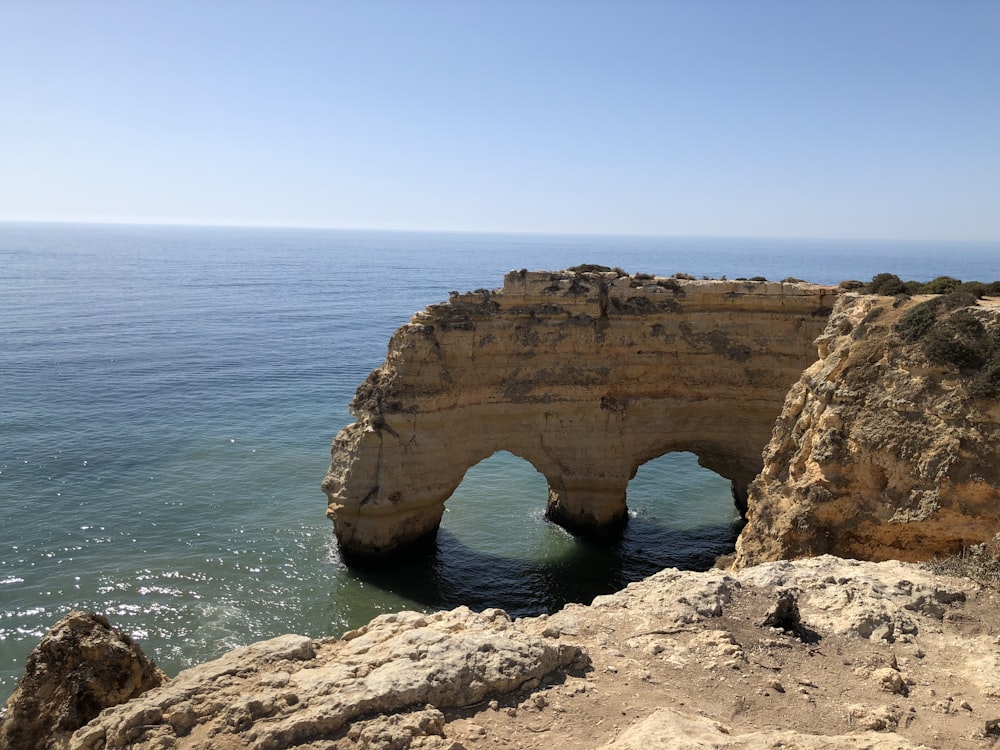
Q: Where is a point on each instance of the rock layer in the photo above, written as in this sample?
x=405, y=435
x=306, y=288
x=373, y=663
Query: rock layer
x=879, y=453
x=586, y=376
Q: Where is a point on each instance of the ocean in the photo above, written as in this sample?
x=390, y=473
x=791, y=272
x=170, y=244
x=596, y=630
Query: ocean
x=168, y=396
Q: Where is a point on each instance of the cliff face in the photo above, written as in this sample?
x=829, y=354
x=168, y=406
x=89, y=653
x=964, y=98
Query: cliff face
x=888, y=447
x=586, y=376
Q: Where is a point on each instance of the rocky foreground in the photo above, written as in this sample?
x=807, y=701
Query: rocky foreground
x=819, y=653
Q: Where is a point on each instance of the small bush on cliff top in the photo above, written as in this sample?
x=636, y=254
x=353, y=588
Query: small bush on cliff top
x=886, y=284
x=949, y=334
x=958, y=298
x=941, y=285
x=597, y=268
x=986, y=383
x=918, y=320
x=980, y=562
x=960, y=340
x=890, y=285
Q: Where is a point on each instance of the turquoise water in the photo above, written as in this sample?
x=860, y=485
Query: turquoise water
x=169, y=396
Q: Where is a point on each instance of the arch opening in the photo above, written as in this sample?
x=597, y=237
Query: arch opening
x=680, y=515
x=498, y=509
x=495, y=548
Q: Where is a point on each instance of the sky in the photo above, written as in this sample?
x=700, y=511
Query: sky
x=774, y=118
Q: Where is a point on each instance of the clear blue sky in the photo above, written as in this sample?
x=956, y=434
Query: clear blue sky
x=797, y=118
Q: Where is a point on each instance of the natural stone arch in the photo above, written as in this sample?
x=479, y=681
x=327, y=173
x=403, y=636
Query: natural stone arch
x=584, y=375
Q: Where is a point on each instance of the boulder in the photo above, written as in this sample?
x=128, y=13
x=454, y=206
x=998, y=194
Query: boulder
x=81, y=666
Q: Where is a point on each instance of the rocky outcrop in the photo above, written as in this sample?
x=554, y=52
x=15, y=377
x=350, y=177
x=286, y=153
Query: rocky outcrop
x=392, y=677
x=888, y=655
x=888, y=447
x=586, y=375
x=81, y=666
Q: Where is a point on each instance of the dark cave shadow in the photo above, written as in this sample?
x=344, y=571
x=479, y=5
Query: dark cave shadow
x=445, y=573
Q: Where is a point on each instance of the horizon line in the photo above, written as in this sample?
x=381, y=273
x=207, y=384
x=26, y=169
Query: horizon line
x=227, y=224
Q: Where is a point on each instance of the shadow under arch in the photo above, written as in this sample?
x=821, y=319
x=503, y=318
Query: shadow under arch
x=495, y=549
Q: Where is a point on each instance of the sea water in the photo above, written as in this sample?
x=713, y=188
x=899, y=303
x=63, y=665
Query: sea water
x=168, y=396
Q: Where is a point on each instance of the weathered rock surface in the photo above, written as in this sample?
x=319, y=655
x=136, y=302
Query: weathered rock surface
x=668, y=729
x=81, y=666
x=894, y=657
x=290, y=691
x=879, y=453
x=586, y=376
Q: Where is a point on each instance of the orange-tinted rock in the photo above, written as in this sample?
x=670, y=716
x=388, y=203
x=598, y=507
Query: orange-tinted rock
x=880, y=452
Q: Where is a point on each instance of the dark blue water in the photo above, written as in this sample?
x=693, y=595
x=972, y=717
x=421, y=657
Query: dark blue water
x=169, y=396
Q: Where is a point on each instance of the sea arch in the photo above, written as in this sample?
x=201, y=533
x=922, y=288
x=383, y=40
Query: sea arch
x=585, y=375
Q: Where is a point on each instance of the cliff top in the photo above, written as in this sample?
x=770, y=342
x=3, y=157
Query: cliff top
x=823, y=653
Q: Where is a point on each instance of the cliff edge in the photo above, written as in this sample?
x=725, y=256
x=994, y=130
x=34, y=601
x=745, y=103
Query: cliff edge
x=817, y=654
x=888, y=446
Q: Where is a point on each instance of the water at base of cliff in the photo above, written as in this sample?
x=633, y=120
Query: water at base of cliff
x=169, y=397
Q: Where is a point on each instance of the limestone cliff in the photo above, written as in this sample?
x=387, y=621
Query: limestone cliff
x=888, y=447
x=586, y=375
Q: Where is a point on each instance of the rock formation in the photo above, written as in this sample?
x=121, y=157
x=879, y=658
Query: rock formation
x=586, y=375
x=893, y=657
x=291, y=690
x=81, y=666
x=888, y=447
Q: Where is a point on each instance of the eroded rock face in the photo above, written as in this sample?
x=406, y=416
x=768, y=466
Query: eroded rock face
x=290, y=691
x=879, y=452
x=80, y=667
x=586, y=376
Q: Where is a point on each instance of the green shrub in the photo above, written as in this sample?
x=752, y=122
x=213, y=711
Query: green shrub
x=941, y=285
x=886, y=284
x=851, y=285
x=986, y=383
x=959, y=340
x=958, y=298
x=976, y=288
x=589, y=268
x=918, y=320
